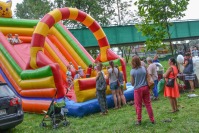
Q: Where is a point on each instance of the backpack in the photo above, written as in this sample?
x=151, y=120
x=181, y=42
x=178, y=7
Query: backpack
x=101, y=83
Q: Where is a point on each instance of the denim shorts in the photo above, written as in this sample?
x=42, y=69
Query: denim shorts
x=114, y=85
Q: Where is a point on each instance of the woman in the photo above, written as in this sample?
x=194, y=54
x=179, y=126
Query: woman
x=172, y=92
x=101, y=89
x=188, y=71
x=121, y=87
x=114, y=86
x=141, y=90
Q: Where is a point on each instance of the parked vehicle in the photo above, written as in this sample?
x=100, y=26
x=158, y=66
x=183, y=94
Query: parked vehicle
x=11, y=113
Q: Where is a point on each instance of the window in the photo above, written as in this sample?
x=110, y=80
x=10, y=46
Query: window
x=6, y=91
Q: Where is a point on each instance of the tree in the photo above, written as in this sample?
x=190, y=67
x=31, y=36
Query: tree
x=32, y=9
x=105, y=12
x=99, y=10
x=123, y=14
x=156, y=16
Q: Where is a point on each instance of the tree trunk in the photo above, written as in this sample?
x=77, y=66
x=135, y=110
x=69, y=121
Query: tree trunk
x=169, y=35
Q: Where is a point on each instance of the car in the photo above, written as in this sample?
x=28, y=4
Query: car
x=11, y=112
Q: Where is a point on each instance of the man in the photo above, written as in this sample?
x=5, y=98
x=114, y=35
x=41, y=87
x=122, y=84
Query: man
x=155, y=59
x=152, y=70
x=195, y=52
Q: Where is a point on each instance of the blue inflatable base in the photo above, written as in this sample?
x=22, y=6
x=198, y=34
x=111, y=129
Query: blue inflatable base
x=92, y=106
x=84, y=108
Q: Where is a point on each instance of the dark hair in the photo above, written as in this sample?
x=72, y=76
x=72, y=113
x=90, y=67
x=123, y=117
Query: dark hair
x=136, y=63
x=118, y=70
x=187, y=54
x=111, y=63
x=173, y=60
x=100, y=65
x=90, y=65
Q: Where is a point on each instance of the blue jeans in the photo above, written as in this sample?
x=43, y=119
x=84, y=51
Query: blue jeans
x=114, y=85
x=155, y=88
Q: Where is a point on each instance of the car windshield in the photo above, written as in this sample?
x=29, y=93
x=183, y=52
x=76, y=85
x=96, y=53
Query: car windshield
x=5, y=91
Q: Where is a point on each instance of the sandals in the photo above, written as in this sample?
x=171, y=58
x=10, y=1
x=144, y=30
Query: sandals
x=192, y=91
x=116, y=108
x=155, y=98
x=174, y=111
x=137, y=123
x=103, y=113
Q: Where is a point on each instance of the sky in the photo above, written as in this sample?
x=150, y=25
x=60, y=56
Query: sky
x=191, y=12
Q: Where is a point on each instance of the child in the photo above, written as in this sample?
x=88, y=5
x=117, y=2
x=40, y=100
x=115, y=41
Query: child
x=89, y=70
x=121, y=91
x=77, y=75
x=16, y=39
x=69, y=76
x=81, y=72
x=10, y=39
x=71, y=65
x=101, y=90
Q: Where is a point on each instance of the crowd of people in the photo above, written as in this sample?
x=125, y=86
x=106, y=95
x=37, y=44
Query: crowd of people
x=14, y=40
x=138, y=74
x=116, y=81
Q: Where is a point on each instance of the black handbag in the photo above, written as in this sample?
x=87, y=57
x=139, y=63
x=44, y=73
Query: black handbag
x=170, y=82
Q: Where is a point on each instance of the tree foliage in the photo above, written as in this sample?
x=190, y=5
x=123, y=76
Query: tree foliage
x=105, y=12
x=155, y=19
x=32, y=9
x=123, y=14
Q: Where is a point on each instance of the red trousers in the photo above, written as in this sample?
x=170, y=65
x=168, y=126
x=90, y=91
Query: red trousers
x=143, y=95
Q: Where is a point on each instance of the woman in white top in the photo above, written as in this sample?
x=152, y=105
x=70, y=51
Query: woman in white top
x=114, y=86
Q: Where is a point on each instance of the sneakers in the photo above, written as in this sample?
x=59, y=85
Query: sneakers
x=155, y=99
x=137, y=123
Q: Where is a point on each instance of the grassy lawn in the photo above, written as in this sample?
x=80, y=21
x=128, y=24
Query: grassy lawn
x=122, y=120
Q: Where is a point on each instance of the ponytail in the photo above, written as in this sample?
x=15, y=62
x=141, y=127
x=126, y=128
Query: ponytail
x=112, y=65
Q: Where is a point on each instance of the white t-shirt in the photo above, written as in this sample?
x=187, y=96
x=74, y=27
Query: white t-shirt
x=69, y=74
x=81, y=72
x=113, y=75
x=77, y=76
x=16, y=40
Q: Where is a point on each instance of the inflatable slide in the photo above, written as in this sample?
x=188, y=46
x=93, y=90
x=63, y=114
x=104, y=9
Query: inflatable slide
x=36, y=68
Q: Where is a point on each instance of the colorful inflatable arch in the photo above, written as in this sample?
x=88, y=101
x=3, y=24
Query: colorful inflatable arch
x=36, y=68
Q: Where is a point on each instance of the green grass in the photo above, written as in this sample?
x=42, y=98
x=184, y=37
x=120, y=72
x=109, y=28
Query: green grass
x=122, y=120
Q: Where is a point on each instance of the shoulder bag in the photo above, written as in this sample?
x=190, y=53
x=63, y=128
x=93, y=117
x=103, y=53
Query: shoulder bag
x=171, y=81
x=149, y=79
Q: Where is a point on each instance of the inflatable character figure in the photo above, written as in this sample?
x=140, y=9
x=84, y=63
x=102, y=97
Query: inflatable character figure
x=5, y=9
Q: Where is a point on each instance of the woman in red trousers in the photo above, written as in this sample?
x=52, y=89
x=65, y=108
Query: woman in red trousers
x=141, y=90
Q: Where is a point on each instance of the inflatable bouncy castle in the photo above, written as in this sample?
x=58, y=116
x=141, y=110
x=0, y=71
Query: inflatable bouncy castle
x=36, y=68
